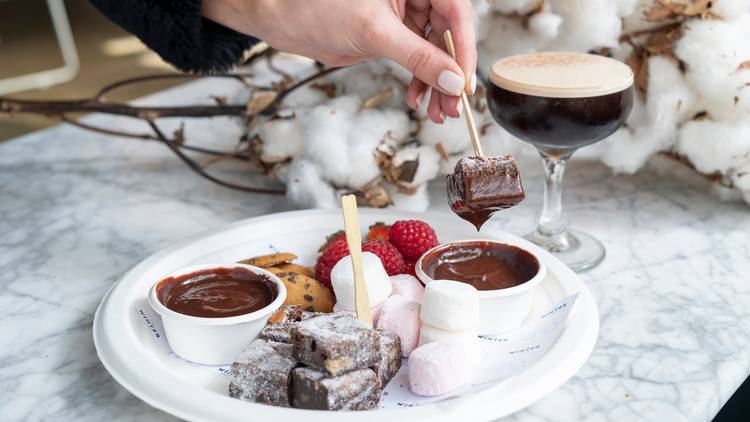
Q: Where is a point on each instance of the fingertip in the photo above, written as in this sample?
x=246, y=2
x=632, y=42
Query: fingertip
x=434, y=110
x=451, y=106
x=415, y=94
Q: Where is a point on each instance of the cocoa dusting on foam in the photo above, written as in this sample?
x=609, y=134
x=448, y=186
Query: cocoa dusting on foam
x=545, y=59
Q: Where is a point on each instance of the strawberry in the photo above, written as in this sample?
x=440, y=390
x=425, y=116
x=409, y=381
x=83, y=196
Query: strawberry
x=332, y=254
x=391, y=258
x=412, y=238
x=379, y=231
x=331, y=238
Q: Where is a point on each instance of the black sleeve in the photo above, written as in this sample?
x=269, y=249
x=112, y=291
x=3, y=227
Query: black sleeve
x=176, y=30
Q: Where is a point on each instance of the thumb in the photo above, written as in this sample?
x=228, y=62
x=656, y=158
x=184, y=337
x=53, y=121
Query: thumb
x=426, y=61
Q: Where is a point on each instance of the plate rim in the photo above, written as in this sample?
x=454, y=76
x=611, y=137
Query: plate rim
x=445, y=409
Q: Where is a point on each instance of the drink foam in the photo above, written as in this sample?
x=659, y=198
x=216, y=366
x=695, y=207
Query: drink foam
x=561, y=74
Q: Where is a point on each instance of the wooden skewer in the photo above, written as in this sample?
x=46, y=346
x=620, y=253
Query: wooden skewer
x=465, y=101
x=354, y=241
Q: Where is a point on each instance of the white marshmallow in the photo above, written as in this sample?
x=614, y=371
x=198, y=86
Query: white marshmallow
x=441, y=367
x=378, y=284
x=374, y=312
x=408, y=286
x=429, y=334
x=450, y=305
x=400, y=316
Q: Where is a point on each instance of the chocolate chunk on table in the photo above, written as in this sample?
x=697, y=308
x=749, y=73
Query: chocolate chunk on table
x=390, y=357
x=262, y=373
x=335, y=343
x=356, y=390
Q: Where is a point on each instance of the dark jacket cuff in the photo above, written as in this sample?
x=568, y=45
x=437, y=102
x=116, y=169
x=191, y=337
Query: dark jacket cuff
x=176, y=30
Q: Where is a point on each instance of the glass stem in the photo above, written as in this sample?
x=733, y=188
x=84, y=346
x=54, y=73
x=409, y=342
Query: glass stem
x=552, y=222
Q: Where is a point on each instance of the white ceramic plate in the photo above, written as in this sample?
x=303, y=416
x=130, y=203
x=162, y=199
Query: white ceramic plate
x=128, y=351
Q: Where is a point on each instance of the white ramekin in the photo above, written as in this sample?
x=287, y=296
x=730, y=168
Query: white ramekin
x=214, y=341
x=499, y=310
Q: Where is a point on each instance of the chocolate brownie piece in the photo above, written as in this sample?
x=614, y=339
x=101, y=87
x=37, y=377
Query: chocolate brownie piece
x=288, y=313
x=356, y=390
x=310, y=315
x=280, y=323
x=390, y=357
x=279, y=333
x=335, y=343
x=262, y=373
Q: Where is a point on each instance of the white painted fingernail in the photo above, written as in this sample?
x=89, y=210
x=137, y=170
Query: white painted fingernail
x=442, y=117
x=459, y=108
x=419, y=99
x=473, y=83
x=452, y=83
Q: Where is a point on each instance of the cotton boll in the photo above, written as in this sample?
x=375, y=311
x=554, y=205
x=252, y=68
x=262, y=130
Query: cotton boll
x=451, y=133
x=306, y=187
x=712, y=51
x=520, y=7
x=283, y=137
x=482, y=17
x=504, y=37
x=545, y=25
x=368, y=128
x=727, y=194
x=669, y=102
x=626, y=7
x=586, y=25
x=447, y=166
x=391, y=120
x=368, y=79
x=669, y=97
x=389, y=68
x=305, y=96
x=497, y=141
x=714, y=146
x=624, y=152
x=634, y=21
x=327, y=137
x=429, y=163
x=730, y=9
x=418, y=202
x=741, y=176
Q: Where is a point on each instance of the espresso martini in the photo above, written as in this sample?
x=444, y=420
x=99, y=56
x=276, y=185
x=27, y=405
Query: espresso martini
x=559, y=102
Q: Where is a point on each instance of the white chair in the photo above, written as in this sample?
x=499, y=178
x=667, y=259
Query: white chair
x=47, y=78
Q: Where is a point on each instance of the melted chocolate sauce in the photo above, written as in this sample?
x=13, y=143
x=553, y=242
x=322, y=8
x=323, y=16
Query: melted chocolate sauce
x=484, y=265
x=480, y=186
x=217, y=292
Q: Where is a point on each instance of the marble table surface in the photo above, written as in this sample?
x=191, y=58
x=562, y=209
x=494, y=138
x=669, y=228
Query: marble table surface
x=77, y=209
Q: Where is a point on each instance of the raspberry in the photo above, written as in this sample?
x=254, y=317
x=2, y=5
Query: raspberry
x=379, y=231
x=412, y=238
x=410, y=268
x=332, y=254
x=391, y=258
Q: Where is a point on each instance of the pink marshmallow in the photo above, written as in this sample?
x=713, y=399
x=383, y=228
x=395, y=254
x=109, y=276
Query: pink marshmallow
x=374, y=312
x=400, y=316
x=441, y=367
x=408, y=286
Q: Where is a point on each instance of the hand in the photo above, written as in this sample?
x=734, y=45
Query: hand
x=344, y=32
